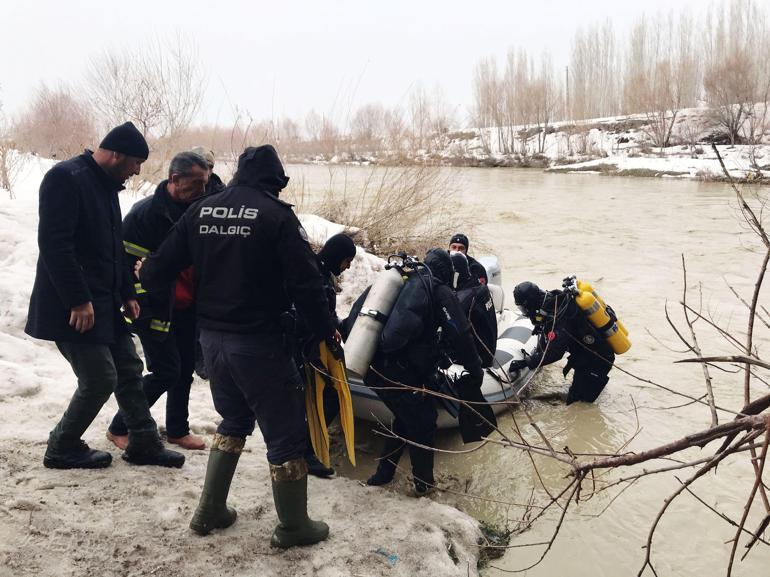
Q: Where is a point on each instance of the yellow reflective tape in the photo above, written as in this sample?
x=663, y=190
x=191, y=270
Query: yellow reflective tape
x=138, y=288
x=161, y=326
x=135, y=249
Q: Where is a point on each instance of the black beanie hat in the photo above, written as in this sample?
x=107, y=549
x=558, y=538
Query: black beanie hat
x=335, y=250
x=460, y=239
x=126, y=139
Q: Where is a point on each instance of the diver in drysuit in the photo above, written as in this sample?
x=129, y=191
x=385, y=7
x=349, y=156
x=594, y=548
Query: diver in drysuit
x=476, y=303
x=408, y=354
x=563, y=328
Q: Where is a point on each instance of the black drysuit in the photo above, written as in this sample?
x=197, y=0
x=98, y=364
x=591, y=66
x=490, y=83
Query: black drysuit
x=408, y=353
x=590, y=355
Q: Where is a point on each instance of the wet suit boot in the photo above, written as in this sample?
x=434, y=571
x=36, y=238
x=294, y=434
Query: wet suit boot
x=389, y=457
x=290, y=496
x=146, y=448
x=212, y=511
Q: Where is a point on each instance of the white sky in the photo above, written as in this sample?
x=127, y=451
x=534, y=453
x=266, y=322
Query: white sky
x=285, y=57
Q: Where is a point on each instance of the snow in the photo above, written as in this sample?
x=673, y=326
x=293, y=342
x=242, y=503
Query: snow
x=127, y=520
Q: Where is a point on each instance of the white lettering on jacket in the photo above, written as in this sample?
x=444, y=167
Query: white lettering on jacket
x=228, y=212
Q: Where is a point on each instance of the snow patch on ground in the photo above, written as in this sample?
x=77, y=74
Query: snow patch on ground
x=127, y=520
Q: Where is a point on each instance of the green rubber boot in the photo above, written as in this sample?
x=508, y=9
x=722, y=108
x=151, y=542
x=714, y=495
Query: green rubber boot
x=290, y=496
x=212, y=511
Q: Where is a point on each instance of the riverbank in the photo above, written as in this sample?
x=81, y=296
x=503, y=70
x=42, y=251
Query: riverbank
x=619, y=146
x=127, y=520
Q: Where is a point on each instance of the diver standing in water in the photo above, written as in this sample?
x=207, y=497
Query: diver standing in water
x=575, y=321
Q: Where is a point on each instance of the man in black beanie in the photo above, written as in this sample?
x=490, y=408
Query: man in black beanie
x=334, y=258
x=459, y=243
x=80, y=287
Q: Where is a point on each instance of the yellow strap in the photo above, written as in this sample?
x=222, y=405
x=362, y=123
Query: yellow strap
x=138, y=288
x=135, y=249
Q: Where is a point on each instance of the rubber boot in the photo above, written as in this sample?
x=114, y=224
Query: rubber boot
x=146, y=448
x=212, y=511
x=290, y=496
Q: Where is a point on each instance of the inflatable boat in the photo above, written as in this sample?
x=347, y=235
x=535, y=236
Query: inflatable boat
x=514, y=334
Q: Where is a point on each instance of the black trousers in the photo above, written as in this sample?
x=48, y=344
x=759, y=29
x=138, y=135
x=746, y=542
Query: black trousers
x=415, y=420
x=590, y=376
x=102, y=370
x=170, y=363
x=253, y=378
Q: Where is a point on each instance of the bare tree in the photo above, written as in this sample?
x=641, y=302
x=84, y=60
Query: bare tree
x=158, y=87
x=735, y=76
x=11, y=161
x=56, y=124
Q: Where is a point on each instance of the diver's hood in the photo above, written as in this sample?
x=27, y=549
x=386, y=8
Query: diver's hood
x=260, y=167
x=440, y=265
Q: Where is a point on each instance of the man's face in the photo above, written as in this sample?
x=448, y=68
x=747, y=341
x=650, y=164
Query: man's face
x=345, y=264
x=457, y=247
x=190, y=186
x=125, y=166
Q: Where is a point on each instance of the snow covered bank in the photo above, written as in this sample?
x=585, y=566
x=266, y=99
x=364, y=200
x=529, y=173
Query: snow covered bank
x=127, y=520
x=620, y=145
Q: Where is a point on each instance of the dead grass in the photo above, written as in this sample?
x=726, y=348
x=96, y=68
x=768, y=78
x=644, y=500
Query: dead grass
x=411, y=208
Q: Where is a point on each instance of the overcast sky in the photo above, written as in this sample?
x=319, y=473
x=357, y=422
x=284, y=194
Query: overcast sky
x=285, y=57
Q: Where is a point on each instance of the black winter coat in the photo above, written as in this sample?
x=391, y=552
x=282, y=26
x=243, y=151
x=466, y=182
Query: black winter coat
x=214, y=185
x=144, y=229
x=81, y=254
x=251, y=256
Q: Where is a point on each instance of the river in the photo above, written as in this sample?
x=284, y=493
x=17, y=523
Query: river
x=626, y=236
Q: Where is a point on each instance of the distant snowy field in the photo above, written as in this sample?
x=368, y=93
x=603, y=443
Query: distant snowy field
x=127, y=520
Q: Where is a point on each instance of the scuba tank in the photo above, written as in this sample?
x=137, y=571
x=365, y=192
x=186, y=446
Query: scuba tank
x=599, y=314
x=364, y=337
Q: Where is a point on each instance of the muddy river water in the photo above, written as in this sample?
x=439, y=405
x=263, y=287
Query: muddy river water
x=625, y=235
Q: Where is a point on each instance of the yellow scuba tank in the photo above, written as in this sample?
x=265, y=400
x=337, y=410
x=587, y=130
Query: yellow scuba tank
x=602, y=317
x=585, y=286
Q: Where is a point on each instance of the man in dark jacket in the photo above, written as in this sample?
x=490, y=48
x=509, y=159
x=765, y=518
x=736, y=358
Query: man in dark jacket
x=252, y=261
x=563, y=328
x=214, y=184
x=166, y=324
x=408, y=354
x=79, y=288
x=334, y=258
x=476, y=303
x=460, y=243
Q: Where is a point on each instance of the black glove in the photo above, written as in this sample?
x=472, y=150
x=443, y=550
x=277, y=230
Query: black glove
x=335, y=349
x=515, y=367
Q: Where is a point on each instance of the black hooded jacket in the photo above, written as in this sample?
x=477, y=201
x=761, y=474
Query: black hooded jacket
x=250, y=254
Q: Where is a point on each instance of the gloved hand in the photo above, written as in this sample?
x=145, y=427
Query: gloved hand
x=515, y=367
x=470, y=381
x=435, y=380
x=334, y=346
